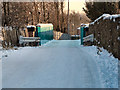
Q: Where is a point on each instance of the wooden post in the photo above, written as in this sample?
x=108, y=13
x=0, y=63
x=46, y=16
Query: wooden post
x=68, y=16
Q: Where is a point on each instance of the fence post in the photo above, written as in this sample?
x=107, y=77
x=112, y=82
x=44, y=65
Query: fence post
x=82, y=32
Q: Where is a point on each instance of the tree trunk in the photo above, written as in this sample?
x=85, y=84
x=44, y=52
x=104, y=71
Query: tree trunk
x=5, y=19
x=62, y=17
x=57, y=13
x=44, y=12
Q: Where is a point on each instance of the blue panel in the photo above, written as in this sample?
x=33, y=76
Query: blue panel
x=82, y=34
x=45, y=34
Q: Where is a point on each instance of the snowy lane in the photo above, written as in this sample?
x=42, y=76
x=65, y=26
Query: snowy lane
x=59, y=64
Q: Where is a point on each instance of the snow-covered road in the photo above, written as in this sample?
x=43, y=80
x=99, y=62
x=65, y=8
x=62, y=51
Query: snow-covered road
x=58, y=64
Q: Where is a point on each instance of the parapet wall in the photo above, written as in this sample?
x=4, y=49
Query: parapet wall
x=106, y=30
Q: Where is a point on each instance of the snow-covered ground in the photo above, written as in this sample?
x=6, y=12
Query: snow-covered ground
x=0, y=74
x=59, y=64
x=0, y=58
x=0, y=70
x=107, y=64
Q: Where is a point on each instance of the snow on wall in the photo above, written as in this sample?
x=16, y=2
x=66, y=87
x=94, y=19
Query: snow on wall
x=106, y=16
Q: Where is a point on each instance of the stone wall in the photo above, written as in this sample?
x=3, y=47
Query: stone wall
x=107, y=34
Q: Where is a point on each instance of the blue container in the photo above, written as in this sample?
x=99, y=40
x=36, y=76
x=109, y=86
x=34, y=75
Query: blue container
x=82, y=35
x=45, y=32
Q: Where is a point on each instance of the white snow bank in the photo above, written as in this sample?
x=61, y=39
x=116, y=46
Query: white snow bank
x=106, y=16
x=108, y=66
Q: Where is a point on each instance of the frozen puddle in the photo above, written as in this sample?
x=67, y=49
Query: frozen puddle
x=57, y=64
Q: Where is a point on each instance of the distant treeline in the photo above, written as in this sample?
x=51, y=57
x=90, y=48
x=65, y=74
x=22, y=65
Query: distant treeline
x=20, y=14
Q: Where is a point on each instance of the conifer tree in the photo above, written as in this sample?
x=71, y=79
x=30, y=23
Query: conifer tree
x=95, y=9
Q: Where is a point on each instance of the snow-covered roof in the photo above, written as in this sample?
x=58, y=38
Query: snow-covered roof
x=79, y=28
x=85, y=26
x=29, y=26
x=106, y=16
x=45, y=25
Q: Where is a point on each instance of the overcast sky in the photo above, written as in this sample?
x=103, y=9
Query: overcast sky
x=76, y=5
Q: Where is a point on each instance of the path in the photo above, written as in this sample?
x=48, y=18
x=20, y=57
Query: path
x=59, y=64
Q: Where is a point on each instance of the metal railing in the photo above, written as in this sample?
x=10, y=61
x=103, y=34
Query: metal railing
x=23, y=40
x=88, y=38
